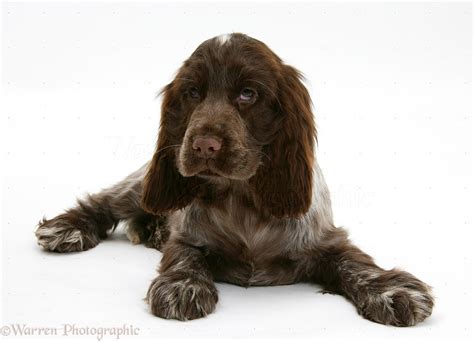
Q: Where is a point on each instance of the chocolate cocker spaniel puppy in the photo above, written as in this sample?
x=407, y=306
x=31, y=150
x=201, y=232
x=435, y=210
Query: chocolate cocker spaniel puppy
x=234, y=194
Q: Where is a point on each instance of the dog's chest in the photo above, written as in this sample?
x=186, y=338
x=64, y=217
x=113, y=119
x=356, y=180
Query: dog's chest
x=243, y=247
x=246, y=250
x=237, y=228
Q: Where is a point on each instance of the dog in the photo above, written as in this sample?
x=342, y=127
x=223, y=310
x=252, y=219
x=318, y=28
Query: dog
x=234, y=194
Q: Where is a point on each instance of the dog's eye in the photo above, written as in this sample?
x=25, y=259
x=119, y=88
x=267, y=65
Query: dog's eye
x=247, y=95
x=193, y=92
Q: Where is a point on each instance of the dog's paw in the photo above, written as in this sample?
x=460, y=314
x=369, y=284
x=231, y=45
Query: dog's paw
x=181, y=297
x=60, y=235
x=396, y=298
x=148, y=229
x=135, y=235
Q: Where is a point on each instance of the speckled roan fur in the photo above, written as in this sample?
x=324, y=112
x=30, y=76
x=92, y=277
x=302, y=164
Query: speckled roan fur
x=259, y=213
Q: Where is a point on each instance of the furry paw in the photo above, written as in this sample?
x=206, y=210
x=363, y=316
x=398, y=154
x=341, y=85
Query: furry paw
x=182, y=297
x=149, y=230
x=60, y=235
x=135, y=236
x=396, y=298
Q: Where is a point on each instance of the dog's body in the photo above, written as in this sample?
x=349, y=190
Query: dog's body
x=234, y=194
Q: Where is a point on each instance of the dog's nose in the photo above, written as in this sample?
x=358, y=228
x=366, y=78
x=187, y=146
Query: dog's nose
x=206, y=147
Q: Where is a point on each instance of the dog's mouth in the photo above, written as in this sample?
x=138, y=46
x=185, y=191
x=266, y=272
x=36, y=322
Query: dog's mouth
x=237, y=165
x=209, y=170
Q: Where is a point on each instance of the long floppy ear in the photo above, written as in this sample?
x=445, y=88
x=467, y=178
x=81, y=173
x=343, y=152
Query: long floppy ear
x=283, y=183
x=164, y=188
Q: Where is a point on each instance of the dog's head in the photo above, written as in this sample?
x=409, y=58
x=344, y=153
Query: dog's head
x=234, y=111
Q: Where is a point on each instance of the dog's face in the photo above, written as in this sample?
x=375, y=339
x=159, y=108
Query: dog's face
x=234, y=111
x=227, y=98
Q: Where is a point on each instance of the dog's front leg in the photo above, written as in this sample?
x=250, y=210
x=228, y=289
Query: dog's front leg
x=391, y=297
x=185, y=289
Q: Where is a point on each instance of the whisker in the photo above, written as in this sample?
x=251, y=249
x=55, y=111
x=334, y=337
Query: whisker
x=171, y=146
x=185, y=79
x=263, y=153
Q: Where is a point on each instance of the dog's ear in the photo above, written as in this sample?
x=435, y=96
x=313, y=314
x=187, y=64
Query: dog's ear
x=283, y=183
x=164, y=188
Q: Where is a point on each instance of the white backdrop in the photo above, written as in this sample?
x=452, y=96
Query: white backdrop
x=392, y=88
